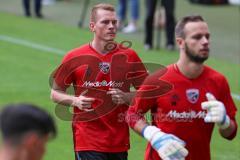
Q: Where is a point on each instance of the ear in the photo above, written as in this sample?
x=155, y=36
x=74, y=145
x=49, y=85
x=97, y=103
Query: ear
x=92, y=26
x=30, y=140
x=180, y=42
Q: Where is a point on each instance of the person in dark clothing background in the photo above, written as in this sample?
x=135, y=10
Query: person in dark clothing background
x=169, y=6
x=37, y=8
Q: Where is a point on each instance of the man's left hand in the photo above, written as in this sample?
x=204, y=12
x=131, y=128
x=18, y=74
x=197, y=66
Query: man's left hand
x=118, y=96
x=216, y=112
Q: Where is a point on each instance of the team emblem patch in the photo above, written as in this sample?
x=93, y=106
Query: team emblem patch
x=192, y=95
x=104, y=67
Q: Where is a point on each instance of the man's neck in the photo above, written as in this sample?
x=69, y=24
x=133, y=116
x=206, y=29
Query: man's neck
x=100, y=46
x=9, y=153
x=190, y=69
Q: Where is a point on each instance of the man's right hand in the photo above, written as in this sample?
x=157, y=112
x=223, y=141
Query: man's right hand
x=83, y=103
x=168, y=146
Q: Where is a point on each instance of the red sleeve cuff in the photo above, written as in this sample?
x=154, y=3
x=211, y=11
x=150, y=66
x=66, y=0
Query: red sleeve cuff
x=234, y=132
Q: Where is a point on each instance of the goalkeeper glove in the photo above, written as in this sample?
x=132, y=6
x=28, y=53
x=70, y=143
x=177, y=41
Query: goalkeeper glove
x=168, y=146
x=216, y=112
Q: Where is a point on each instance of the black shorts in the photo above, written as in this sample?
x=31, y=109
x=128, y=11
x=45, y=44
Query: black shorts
x=93, y=155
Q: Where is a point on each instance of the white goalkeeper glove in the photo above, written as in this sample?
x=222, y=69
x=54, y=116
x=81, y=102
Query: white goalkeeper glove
x=216, y=112
x=168, y=146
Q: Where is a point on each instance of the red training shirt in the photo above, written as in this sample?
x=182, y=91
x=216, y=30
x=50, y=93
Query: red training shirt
x=178, y=110
x=104, y=129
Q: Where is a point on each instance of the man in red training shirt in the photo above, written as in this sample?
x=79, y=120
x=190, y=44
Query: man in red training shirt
x=101, y=73
x=184, y=117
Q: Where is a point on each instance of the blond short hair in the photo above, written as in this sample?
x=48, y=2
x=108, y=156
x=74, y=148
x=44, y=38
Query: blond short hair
x=103, y=6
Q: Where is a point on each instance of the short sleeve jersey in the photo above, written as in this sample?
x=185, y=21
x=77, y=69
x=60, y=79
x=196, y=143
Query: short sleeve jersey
x=92, y=73
x=179, y=111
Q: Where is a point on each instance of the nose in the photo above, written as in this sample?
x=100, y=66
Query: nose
x=112, y=25
x=205, y=40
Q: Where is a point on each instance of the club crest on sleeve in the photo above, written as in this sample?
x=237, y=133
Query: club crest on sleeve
x=104, y=67
x=192, y=95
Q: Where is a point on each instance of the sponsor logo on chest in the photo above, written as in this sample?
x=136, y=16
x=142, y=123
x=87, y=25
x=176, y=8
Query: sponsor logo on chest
x=103, y=83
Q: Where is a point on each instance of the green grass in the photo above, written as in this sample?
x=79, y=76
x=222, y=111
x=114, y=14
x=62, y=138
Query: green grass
x=25, y=74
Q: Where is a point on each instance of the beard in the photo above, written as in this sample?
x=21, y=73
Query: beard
x=194, y=58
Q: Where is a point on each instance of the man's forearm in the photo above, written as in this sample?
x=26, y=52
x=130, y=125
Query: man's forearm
x=138, y=127
x=61, y=97
x=129, y=97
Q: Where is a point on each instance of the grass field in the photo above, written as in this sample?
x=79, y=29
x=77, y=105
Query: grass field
x=25, y=71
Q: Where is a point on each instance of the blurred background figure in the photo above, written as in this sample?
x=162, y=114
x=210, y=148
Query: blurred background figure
x=37, y=8
x=48, y=2
x=122, y=14
x=169, y=6
x=159, y=24
x=234, y=2
x=25, y=130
